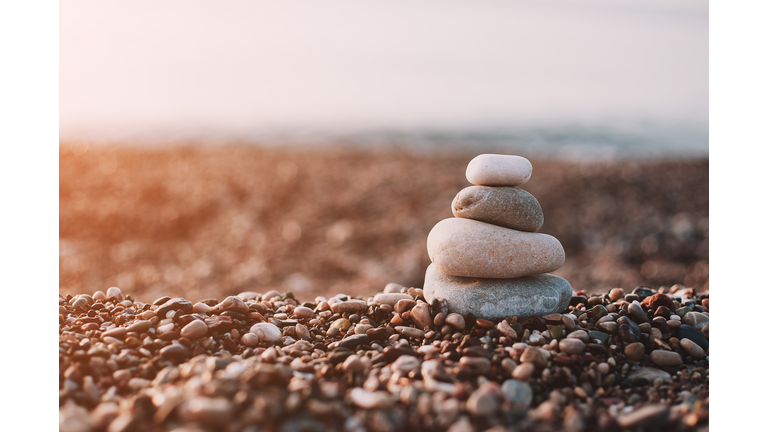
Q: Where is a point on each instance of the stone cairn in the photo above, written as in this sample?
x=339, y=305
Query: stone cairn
x=488, y=259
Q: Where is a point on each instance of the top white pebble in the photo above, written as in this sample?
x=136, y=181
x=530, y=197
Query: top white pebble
x=499, y=170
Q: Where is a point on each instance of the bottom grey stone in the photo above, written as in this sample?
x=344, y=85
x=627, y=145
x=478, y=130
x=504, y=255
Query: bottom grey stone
x=499, y=298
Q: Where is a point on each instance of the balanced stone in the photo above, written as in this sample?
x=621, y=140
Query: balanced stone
x=508, y=207
x=499, y=170
x=498, y=298
x=469, y=248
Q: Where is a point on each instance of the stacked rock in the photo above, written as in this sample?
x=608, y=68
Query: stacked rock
x=488, y=259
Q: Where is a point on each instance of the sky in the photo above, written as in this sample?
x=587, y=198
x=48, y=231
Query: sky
x=227, y=69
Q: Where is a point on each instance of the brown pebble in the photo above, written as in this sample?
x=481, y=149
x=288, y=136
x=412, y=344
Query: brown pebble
x=420, y=316
x=439, y=319
x=484, y=323
x=456, y=320
x=666, y=358
x=692, y=348
x=349, y=306
x=616, y=293
x=634, y=351
x=524, y=371
x=570, y=346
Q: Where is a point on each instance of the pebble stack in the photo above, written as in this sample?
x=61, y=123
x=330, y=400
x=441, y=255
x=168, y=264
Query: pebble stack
x=488, y=259
x=270, y=362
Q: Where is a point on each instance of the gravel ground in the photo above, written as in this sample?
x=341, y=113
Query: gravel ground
x=215, y=221
x=623, y=360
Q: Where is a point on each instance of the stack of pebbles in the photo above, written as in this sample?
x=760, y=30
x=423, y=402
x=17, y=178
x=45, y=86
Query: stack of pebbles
x=488, y=260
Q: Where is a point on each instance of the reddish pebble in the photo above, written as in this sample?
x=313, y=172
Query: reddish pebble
x=657, y=300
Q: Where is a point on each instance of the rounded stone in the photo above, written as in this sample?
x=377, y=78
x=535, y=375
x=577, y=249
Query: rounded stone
x=666, y=358
x=194, y=330
x=266, y=332
x=499, y=170
x=524, y=371
x=250, y=339
x=302, y=312
x=114, y=292
x=469, y=248
x=201, y=308
x=634, y=351
x=571, y=346
x=692, y=348
x=508, y=207
x=456, y=320
x=616, y=293
x=498, y=298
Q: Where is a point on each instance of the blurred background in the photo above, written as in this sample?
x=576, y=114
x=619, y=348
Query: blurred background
x=213, y=148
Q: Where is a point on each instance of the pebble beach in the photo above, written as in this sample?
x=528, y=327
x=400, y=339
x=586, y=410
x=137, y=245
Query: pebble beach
x=623, y=360
x=241, y=288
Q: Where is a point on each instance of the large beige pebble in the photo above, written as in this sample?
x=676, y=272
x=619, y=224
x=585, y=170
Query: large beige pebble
x=267, y=333
x=194, y=330
x=508, y=207
x=499, y=170
x=468, y=248
x=498, y=298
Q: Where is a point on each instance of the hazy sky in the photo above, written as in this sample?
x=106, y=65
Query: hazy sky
x=145, y=67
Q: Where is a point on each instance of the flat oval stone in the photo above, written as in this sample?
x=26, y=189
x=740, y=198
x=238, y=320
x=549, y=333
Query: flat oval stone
x=508, y=207
x=139, y=326
x=469, y=248
x=498, y=298
x=410, y=332
x=692, y=348
x=666, y=358
x=175, y=352
x=571, y=346
x=302, y=312
x=499, y=170
x=350, y=306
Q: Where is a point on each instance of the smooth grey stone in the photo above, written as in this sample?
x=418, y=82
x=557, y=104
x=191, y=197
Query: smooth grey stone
x=498, y=298
x=508, y=207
